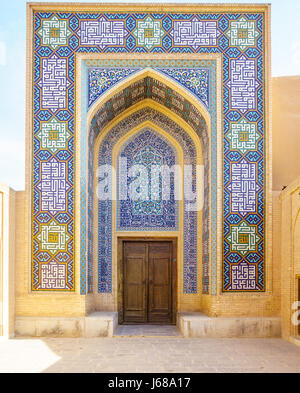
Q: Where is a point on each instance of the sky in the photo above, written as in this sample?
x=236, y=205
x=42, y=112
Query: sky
x=285, y=62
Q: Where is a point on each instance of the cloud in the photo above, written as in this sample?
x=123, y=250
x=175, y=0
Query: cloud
x=2, y=53
x=296, y=53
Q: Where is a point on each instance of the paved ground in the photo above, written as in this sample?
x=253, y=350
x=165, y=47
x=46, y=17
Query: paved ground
x=152, y=354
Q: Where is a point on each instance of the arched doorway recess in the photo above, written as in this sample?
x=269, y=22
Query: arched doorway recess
x=148, y=99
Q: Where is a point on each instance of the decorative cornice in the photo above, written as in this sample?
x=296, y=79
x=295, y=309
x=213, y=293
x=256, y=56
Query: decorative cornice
x=149, y=7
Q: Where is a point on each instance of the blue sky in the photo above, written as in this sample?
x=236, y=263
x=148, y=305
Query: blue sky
x=285, y=61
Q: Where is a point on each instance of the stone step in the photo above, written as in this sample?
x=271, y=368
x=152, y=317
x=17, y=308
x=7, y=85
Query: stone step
x=196, y=324
x=147, y=331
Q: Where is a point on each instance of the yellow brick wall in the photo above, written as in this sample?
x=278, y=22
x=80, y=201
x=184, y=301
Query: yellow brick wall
x=290, y=255
x=12, y=252
x=223, y=304
x=55, y=304
x=38, y=304
x=285, y=125
x=244, y=304
x=286, y=170
x=266, y=304
x=295, y=264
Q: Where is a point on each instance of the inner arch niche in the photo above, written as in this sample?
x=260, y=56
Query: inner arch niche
x=189, y=219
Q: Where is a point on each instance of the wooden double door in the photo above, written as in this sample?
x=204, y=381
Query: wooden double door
x=149, y=282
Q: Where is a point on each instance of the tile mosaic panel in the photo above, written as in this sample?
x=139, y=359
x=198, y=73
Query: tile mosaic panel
x=149, y=151
x=240, y=39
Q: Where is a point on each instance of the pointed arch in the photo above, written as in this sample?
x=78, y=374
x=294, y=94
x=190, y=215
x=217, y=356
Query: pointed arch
x=115, y=130
x=156, y=75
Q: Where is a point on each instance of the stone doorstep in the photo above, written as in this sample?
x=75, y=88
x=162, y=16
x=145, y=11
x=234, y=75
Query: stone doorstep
x=105, y=324
x=200, y=325
x=149, y=331
x=101, y=324
x=98, y=324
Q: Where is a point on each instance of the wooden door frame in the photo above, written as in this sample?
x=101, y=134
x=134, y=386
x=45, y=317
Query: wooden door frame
x=120, y=266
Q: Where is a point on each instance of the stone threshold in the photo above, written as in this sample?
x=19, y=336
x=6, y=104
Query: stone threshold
x=147, y=331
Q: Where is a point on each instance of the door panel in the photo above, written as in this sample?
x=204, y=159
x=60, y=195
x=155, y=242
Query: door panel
x=135, y=266
x=147, y=282
x=160, y=295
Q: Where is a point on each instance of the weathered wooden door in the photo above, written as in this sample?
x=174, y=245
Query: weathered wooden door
x=147, y=282
x=135, y=282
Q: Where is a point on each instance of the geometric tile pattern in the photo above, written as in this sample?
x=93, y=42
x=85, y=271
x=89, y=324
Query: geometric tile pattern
x=102, y=79
x=53, y=237
x=238, y=37
x=101, y=33
x=54, y=135
x=243, y=277
x=243, y=238
x=243, y=187
x=195, y=33
x=243, y=136
x=149, y=33
x=52, y=276
x=243, y=84
x=54, y=83
x=196, y=80
x=242, y=33
x=53, y=186
x=54, y=32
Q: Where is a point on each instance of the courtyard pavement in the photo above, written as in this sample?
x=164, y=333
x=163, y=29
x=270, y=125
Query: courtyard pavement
x=123, y=354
